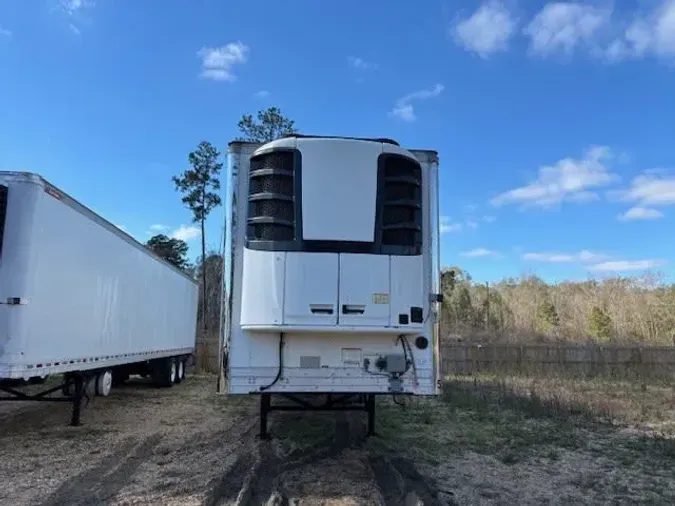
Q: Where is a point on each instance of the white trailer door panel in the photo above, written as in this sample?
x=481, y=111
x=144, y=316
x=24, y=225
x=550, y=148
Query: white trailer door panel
x=407, y=290
x=311, y=289
x=364, y=290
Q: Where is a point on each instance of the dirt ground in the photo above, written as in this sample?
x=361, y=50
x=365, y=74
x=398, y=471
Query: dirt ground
x=480, y=444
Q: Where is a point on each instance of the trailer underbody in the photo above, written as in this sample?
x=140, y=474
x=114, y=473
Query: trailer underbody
x=331, y=402
x=78, y=386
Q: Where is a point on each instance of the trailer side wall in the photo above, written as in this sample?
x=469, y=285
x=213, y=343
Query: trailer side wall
x=91, y=298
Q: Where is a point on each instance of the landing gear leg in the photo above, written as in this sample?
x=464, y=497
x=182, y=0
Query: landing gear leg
x=78, y=380
x=370, y=408
x=265, y=403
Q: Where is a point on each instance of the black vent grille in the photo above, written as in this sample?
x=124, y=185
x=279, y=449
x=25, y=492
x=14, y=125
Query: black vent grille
x=402, y=203
x=271, y=208
x=3, y=213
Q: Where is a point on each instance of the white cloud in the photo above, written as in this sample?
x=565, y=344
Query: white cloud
x=404, y=112
x=361, y=64
x=480, y=252
x=404, y=109
x=652, y=188
x=626, y=265
x=562, y=27
x=217, y=62
x=262, y=94
x=447, y=226
x=549, y=257
x=489, y=219
x=641, y=213
x=158, y=228
x=602, y=32
x=653, y=33
x=4, y=32
x=74, y=10
x=566, y=180
x=597, y=262
x=557, y=258
x=186, y=233
x=72, y=7
x=472, y=224
x=487, y=31
x=590, y=256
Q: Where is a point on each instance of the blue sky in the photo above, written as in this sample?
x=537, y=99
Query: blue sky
x=553, y=121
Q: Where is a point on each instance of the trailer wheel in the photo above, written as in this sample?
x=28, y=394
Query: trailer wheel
x=174, y=370
x=180, y=371
x=104, y=382
x=164, y=372
x=90, y=386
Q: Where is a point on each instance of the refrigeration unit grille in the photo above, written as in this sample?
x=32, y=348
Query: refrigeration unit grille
x=402, y=203
x=3, y=213
x=272, y=209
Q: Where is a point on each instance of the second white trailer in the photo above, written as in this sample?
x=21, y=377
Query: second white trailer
x=81, y=298
x=332, y=270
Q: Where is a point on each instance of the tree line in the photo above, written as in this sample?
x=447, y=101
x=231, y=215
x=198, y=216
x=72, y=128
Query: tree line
x=622, y=310
x=199, y=188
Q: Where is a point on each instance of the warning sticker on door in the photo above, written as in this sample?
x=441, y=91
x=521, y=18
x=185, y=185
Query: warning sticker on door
x=380, y=298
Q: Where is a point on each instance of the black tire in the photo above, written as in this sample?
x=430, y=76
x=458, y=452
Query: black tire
x=179, y=377
x=162, y=372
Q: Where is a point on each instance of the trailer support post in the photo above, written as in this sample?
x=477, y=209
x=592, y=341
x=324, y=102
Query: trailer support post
x=78, y=379
x=370, y=408
x=265, y=404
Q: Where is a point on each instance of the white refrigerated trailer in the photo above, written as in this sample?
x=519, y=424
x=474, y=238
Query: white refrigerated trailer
x=81, y=299
x=331, y=272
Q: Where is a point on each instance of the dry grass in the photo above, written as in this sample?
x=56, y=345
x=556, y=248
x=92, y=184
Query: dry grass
x=486, y=441
x=527, y=441
x=646, y=406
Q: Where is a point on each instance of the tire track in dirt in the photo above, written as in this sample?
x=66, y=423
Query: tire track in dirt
x=256, y=476
x=229, y=486
x=266, y=481
x=179, y=463
x=400, y=483
x=100, y=483
x=232, y=484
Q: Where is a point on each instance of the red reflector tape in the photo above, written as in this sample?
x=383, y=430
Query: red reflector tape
x=53, y=192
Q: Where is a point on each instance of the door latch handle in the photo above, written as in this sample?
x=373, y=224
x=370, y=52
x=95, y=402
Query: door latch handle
x=353, y=309
x=321, y=308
